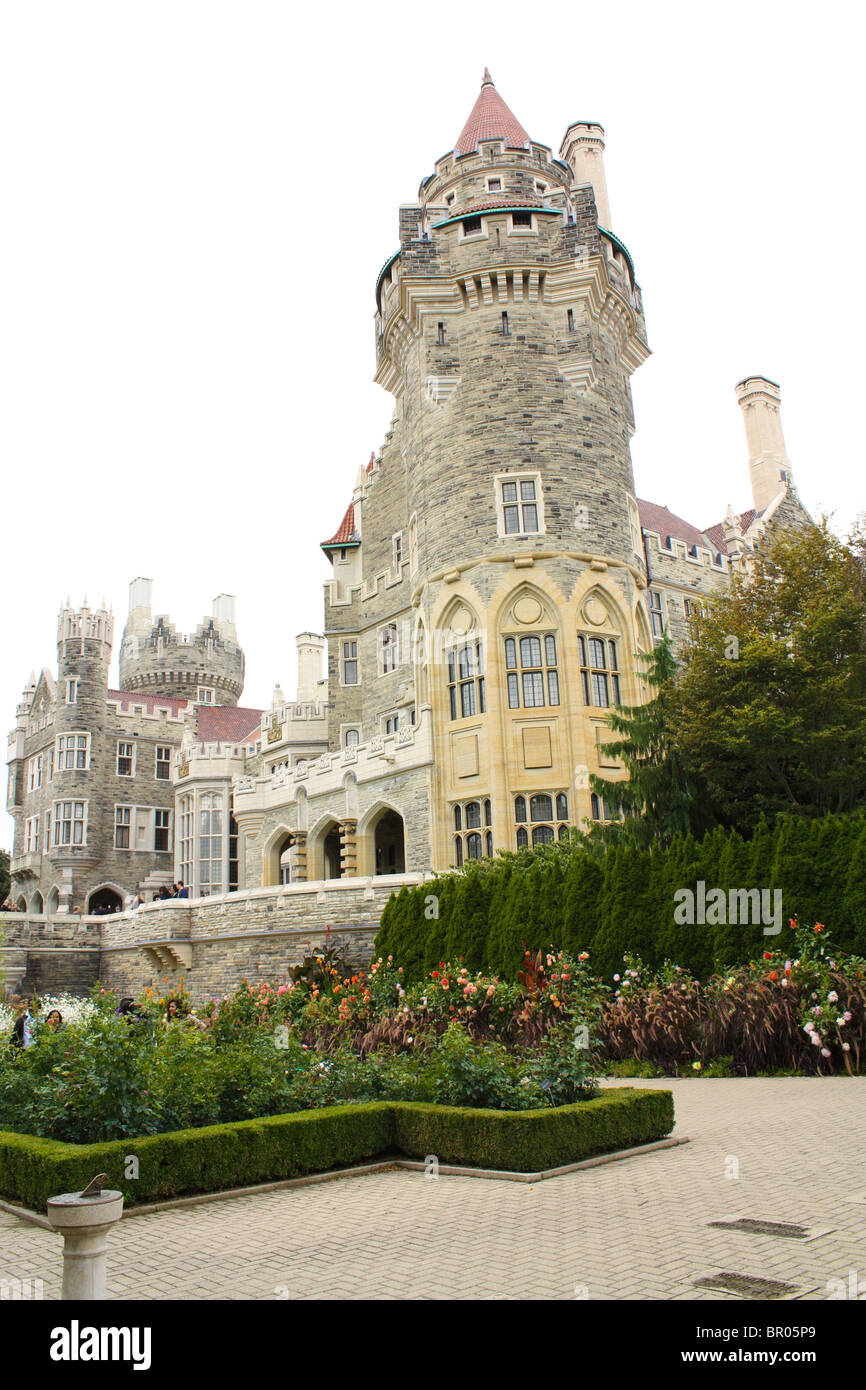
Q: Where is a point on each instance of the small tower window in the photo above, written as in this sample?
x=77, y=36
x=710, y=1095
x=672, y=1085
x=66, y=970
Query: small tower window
x=350, y=663
x=72, y=691
x=440, y=336
x=204, y=695
x=571, y=320
x=521, y=219
x=494, y=185
x=163, y=764
x=449, y=200
x=352, y=739
x=125, y=759
x=505, y=328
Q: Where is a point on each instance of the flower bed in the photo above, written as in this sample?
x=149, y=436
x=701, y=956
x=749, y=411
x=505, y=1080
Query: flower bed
x=217, y=1157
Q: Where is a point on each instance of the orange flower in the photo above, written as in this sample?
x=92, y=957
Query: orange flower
x=819, y=926
x=774, y=975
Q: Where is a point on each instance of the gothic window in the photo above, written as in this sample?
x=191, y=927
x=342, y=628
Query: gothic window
x=233, y=854
x=350, y=663
x=470, y=843
x=599, y=671
x=547, y=819
x=187, y=839
x=389, y=657
x=600, y=809
x=210, y=845
x=163, y=764
x=122, y=819
x=70, y=823
x=657, y=614
x=532, y=673
x=518, y=504
x=161, y=830
x=466, y=693
x=73, y=752
x=125, y=759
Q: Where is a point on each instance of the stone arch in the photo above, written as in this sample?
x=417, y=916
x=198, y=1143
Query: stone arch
x=21, y=903
x=37, y=904
x=323, y=849
x=520, y=597
x=105, y=895
x=381, y=840
x=52, y=902
x=275, y=847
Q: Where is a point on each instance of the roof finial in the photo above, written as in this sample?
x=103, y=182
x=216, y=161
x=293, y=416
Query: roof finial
x=488, y=80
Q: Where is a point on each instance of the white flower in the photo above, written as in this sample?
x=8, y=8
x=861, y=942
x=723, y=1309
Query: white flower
x=825, y=1052
x=784, y=984
x=816, y=1039
x=846, y=1047
x=832, y=996
x=616, y=979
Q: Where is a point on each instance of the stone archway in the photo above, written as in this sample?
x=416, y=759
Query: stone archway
x=37, y=904
x=331, y=858
x=104, y=900
x=389, y=844
x=53, y=901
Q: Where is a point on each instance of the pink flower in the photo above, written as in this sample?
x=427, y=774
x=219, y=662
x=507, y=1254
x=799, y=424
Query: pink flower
x=825, y=1052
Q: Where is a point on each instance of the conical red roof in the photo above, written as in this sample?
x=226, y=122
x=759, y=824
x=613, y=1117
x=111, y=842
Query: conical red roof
x=490, y=119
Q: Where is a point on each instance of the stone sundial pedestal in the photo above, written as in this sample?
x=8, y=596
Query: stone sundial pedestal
x=84, y=1222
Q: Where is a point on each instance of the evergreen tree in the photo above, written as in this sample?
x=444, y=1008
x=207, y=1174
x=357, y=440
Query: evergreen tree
x=659, y=799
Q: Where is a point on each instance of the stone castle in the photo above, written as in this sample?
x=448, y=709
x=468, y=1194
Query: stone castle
x=495, y=581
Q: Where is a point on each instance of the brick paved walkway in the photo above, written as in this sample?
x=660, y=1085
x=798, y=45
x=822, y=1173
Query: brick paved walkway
x=636, y=1229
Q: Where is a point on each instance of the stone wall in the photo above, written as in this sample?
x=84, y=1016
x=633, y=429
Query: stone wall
x=212, y=944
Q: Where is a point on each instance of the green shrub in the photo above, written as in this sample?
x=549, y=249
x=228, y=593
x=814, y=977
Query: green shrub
x=290, y=1146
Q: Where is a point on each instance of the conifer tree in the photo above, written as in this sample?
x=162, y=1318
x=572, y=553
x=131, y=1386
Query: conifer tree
x=659, y=799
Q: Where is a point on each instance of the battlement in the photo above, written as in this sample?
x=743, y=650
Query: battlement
x=204, y=667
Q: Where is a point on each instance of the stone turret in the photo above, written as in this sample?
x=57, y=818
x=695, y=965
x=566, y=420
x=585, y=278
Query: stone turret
x=206, y=667
x=760, y=401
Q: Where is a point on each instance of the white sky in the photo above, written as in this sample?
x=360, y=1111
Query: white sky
x=197, y=199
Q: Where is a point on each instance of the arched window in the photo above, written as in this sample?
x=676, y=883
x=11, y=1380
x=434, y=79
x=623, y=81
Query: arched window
x=353, y=738
x=468, y=824
x=532, y=673
x=466, y=693
x=599, y=671
x=210, y=845
x=546, y=826
x=458, y=850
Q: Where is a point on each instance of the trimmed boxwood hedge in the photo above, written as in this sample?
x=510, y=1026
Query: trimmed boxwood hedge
x=216, y=1157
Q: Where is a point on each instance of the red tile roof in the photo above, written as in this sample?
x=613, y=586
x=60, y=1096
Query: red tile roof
x=227, y=724
x=147, y=699
x=717, y=533
x=491, y=205
x=656, y=518
x=372, y=462
x=345, y=533
x=490, y=119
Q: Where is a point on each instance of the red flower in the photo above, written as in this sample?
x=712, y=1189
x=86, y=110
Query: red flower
x=774, y=975
x=768, y=955
x=819, y=927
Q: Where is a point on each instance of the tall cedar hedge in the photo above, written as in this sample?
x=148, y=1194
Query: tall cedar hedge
x=623, y=900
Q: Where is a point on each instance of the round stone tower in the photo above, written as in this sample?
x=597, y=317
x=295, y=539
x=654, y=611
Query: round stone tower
x=206, y=667
x=508, y=325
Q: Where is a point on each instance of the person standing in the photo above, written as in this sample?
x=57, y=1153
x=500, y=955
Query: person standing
x=22, y=1028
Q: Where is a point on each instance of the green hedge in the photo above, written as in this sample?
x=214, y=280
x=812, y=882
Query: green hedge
x=290, y=1146
x=623, y=900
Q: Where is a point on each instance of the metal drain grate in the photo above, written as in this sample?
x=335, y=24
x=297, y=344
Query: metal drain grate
x=764, y=1228
x=747, y=1286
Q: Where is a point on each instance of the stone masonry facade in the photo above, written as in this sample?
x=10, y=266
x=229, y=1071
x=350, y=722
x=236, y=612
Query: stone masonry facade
x=496, y=584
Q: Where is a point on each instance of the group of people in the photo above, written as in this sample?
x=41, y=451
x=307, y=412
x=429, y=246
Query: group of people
x=9, y=906
x=177, y=890
x=26, y=1023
